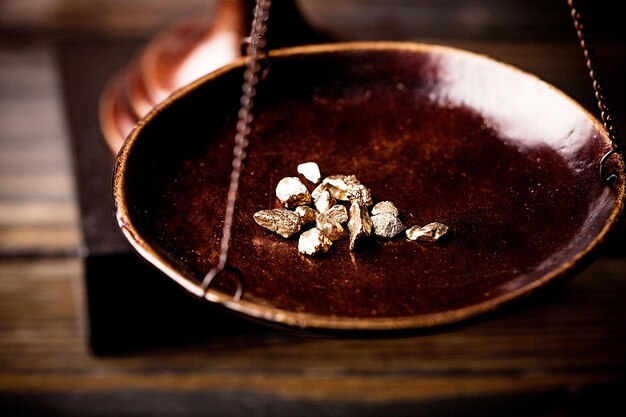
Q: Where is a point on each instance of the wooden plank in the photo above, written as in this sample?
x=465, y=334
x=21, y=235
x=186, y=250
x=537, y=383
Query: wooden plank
x=37, y=209
x=572, y=339
x=491, y=363
x=30, y=213
x=114, y=17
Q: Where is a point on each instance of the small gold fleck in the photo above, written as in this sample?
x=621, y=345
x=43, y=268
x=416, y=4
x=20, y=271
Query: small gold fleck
x=310, y=171
x=360, y=224
x=328, y=225
x=324, y=201
x=385, y=207
x=338, y=185
x=312, y=242
x=387, y=225
x=432, y=232
x=318, y=190
x=360, y=193
x=292, y=192
x=307, y=214
x=338, y=213
x=281, y=221
x=348, y=188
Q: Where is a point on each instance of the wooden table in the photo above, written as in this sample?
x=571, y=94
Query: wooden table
x=563, y=353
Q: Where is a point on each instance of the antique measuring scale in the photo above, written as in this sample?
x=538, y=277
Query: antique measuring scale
x=527, y=180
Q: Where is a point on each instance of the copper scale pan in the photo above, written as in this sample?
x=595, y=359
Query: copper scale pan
x=507, y=161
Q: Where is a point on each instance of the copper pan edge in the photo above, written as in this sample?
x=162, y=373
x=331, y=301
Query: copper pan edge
x=305, y=320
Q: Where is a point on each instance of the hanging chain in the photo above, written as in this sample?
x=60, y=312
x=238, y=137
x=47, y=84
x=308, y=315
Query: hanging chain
x=256, y=68
x=605, y=112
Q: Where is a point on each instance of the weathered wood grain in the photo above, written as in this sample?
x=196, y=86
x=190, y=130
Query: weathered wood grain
x=37, y=209
x=579, y=330
x=569, y=342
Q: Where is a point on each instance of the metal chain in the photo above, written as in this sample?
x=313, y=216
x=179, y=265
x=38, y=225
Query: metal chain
x=605, y=112
x=255, y=69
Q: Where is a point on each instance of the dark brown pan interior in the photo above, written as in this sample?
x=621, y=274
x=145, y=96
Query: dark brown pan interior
x=508, y=162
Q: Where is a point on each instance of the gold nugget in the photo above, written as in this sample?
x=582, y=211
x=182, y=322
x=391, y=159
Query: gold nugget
x=432, y=232
x=328, y=225
x=318, y=191
x=360, y=193
x=387, y=225
x=360, y=224
x=281, y=221
x=385, y=207
x=338, y=185
x=348, y=188
x=307, y=214
x=338, y=213
x=330, y=217
x=313, y=242
x=310, y=171
x=323, y=200
x=291, y=192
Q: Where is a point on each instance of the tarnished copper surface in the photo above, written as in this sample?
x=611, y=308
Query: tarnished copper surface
x=505, y=160
x=173, y=59
x=185, y=52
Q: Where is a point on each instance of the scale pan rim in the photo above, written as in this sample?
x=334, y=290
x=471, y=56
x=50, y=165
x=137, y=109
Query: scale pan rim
x=288, y=318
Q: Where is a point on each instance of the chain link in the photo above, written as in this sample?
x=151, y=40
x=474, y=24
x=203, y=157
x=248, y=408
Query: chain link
x=605, y=112
x=256, y=68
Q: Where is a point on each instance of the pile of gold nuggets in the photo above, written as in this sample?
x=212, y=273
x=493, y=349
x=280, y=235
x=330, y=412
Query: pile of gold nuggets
x=322, y=211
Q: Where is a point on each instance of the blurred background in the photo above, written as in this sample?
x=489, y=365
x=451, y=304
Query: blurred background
x=359, y=19
x=72, y=344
